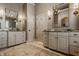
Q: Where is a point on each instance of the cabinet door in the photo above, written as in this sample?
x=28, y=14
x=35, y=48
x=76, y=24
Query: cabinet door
x=3, y=44
x=23, y=37
x=20, y=37
x=3, y=39
x=53, y=40
x=45, y=40
x=63, y=44
x=11, y=38
x=0, y=44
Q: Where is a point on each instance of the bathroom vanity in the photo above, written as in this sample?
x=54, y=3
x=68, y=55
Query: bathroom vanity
x=15, y=38
x=66, y=42
x=12, y=28
x=11, y=38
x=64, y=34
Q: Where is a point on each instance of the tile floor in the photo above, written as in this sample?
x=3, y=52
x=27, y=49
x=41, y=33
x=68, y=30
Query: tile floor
x=28, y=49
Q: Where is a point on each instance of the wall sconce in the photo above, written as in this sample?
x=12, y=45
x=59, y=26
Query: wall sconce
x=75, y=12
x=1, y=11
x=49, y=14
x=75, y=8
x=20, y=18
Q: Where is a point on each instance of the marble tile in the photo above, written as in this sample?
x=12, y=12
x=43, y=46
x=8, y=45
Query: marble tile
x=29, y=49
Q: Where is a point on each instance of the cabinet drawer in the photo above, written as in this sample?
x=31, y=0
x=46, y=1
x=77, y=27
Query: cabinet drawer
x=53, y=42
x=3, y=33
x=62, y=34
x=74, y=40
x=74, y=34
x=3, y=38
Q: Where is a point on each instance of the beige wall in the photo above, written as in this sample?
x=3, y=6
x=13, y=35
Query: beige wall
x=42, y=19
x=30, y=21
x=72, y=18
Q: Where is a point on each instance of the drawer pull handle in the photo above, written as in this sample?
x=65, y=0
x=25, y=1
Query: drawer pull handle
x=75, y=42
x=75, y=34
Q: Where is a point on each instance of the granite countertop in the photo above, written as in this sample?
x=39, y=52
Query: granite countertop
x=10, y=31
x=61, y=31
x=54, y=31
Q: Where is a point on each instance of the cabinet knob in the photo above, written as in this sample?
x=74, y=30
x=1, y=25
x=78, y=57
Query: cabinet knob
x=75, y=41
x=29, y=30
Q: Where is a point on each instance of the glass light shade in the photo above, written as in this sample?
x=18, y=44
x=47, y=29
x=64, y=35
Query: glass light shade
x=1, y=11
x=75, y=5
x=50, y=12
x=75, y=8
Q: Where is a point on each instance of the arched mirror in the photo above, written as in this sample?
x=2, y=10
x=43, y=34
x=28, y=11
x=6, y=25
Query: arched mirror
x=64, y=22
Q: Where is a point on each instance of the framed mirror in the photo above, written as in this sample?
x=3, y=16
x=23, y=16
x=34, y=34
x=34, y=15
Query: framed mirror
x=61, y=18
x=11, y=18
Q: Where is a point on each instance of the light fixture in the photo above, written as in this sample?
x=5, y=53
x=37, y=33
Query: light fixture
x=55, y=11
x=50, y=12
x=75, y=8
x=1, y=12
x=20, y=17
x=75, y=5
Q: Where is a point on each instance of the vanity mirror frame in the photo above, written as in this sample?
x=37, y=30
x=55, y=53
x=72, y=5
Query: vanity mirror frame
x=11, y=14
x=57, y=23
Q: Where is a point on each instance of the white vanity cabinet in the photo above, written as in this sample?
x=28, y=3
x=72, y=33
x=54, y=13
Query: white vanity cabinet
x=11, y=38
x=63, y=42
x=59, y=41
x=3, y=39
x=46, y=39
x=74, y=43
x=16, y=38
x=66, y=42
x=53, y=40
